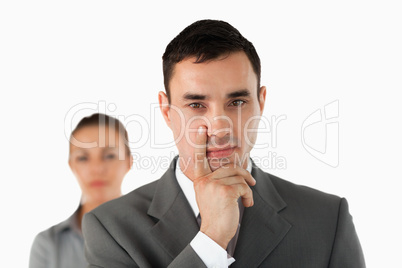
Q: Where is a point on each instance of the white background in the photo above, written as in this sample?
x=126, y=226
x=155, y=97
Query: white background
x=55, y=55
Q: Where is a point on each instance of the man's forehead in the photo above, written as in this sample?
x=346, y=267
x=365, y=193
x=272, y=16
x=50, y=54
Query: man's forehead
x=222, y=77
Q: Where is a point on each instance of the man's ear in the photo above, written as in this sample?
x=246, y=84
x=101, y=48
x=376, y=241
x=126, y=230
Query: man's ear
x=164, y=106
x=263, y=93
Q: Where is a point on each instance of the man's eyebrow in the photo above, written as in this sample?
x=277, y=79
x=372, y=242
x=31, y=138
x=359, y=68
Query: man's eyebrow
x=235, y=94
x=238, y=93
x=194, y=96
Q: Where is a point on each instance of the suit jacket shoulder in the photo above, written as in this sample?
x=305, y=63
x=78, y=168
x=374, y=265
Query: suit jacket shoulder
x=135, y=201
x=317, y=228
x=304, y=196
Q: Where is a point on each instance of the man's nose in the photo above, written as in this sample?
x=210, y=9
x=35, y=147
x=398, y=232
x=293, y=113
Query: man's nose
x=221, y=124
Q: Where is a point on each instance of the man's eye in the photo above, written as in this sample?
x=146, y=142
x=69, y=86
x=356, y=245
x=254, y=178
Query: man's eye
x=237, y=103
x=196, y=105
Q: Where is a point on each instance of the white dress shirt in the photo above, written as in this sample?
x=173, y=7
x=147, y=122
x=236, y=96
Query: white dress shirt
x=207, y=249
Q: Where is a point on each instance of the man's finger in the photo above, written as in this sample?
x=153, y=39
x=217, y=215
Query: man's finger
x=230, y=170
x=201, y=166
x=246, y=195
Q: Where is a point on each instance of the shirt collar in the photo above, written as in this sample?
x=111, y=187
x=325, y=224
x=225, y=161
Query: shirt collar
x=187, y=187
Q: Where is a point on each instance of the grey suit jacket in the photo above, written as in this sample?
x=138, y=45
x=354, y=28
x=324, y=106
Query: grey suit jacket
x=288, y=226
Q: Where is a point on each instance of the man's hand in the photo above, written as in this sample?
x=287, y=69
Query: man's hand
x=217, y=194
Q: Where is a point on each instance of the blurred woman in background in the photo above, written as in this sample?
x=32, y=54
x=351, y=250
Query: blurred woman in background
x=99, y=158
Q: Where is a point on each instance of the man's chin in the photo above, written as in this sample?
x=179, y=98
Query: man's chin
x=216, y=163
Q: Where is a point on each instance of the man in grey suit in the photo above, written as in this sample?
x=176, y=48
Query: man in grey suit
x=214, y=207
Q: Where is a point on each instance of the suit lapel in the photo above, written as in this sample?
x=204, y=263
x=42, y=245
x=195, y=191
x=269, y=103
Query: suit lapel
x=262, y=228
x=177, y=225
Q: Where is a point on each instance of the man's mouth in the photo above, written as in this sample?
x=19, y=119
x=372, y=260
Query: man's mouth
x=220, y=152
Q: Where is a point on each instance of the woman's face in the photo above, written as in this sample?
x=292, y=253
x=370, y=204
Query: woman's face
x=99, y=160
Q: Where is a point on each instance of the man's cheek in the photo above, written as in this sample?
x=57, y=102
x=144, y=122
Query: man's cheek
x=189, y=138
x=178, y=131
x=249, y=131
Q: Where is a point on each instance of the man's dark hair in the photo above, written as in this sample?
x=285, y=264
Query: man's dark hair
x=207, y=40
